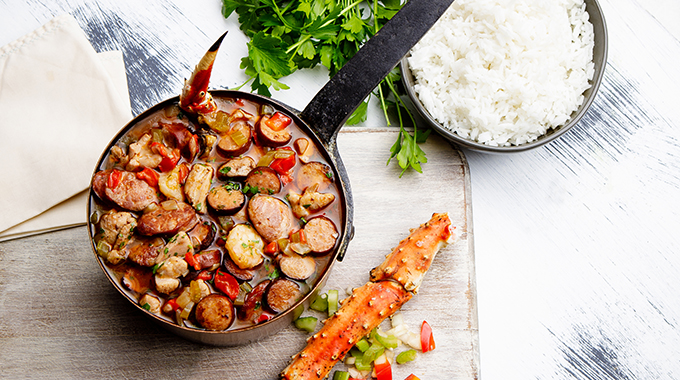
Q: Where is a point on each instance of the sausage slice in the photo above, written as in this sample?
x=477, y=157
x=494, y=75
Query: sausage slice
x=270, y=137
x=144, y=251
x=252, y=307
x=234, y=270
x=270, y=216
x=263, y=180
x=215, y=312
x=297, y=267
x=228, y=146
x=314, y=172
x=124, y=189
x=226, y=199
x=321, y=234
x=282, y=294
x=168, y=219
x=236, y=168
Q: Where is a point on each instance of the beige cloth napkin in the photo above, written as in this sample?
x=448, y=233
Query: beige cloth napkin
x=60, y=105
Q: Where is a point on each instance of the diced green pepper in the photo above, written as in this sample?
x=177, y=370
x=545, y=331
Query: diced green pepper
x=306, y=323
x=406, y=356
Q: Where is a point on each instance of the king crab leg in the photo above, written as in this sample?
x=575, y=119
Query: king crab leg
x=392, y=284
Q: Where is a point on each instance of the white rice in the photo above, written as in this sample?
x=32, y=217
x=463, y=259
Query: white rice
x=503, y=72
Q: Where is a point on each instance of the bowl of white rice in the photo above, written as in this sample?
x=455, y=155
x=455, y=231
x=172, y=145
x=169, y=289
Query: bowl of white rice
x=508, y=75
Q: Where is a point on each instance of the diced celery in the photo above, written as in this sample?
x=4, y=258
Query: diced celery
x=332, y=301
x=320, y=303
x=406, y=356
x=239, y=138
x=363, y=345
x=341, y=375
x=389, y=341
x=373, y=352
x=267, y=158
x=306, y=323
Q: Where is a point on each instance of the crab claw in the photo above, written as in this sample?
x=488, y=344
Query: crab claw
x=195, y=97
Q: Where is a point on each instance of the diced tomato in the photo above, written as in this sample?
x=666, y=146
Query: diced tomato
x=286, y=179
x=172, y=303
x=283, y=165
x=114, y=179
x=263, y=318
x=412, y=377
x=205, y=275
x=170, y=157
x=278, y=121
x=149, y=176
x=226, y=284
x=183, y=172
x=383, y=369
x=426, y=337
x=189, y=258
x=272, y=248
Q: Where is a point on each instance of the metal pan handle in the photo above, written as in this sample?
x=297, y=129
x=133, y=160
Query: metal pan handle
x=330, y=108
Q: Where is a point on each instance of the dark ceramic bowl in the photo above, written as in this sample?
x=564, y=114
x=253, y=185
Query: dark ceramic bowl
x=599, y=58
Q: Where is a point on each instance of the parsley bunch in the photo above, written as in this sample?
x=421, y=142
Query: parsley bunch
x=294, y=34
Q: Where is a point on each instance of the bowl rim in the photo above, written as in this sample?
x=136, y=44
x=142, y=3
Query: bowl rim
x=600, y=48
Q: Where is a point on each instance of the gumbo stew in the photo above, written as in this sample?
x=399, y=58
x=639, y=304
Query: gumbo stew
x=216, y=223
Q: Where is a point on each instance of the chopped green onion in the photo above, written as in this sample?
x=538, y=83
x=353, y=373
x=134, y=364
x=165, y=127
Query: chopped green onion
x=341, y=375
x=306, y=323
x=332, y=301
x=406, y=356
x=319, y=303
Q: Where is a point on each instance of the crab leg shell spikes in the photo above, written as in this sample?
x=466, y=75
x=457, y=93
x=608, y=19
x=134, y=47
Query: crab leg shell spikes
x=360, y=313
x=195, y=97
x=410, y=260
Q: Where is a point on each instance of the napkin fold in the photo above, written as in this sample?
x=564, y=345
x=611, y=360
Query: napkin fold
x=60, y=105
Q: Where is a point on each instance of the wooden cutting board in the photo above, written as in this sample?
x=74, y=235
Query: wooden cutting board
x=60, y=317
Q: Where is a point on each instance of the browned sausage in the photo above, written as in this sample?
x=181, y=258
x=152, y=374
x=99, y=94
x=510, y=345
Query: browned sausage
x=282, y=294
x=314, y=172
x=215, y=312
x=321, y=234
x=209, y=259
x=233, y=269
x=262, y=180
x=236, y=168
x=144, y=251
x=182, y=138
x=226, y=199
x=269, y=137
x=297, y=267
x=227, y=147
x=128, y=191
x=167, y=219
x=271, y=217
x=204, y=233
x=252, y=307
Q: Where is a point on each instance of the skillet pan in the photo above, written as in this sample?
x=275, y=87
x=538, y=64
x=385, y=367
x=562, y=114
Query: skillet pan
x=321, y=120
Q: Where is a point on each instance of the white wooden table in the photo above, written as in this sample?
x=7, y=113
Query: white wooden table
x=576, y=255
